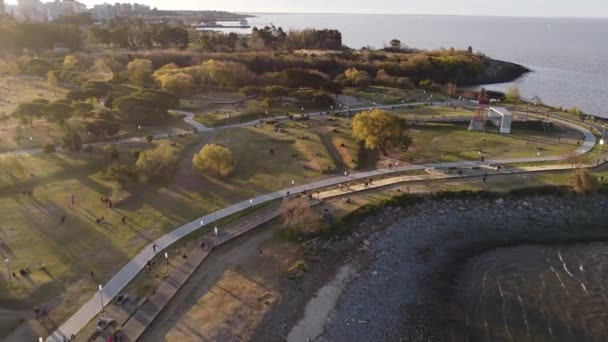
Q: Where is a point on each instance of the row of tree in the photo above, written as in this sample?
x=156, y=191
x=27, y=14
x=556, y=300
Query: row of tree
x=15, y=36
x=271, y=37
x=138, y=34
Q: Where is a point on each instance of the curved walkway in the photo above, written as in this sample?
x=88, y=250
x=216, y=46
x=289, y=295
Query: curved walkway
x=121, y=279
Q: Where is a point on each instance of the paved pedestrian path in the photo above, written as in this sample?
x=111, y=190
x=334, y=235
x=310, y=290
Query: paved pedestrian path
x=121, y=279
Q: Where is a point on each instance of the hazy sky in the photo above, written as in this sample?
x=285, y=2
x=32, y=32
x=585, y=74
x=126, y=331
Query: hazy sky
x=541, y=8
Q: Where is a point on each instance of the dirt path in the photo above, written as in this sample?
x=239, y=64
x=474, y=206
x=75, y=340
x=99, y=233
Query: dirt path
x=319, y=307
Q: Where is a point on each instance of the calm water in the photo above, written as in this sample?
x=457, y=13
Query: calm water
x=569, y=56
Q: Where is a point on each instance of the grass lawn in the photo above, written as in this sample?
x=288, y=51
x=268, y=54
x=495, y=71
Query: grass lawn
x=250, y=110
x=453, y=142
x=387, y=96
x=426, y=112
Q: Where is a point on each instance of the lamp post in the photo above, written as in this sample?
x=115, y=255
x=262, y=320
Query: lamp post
x=167, y=260
x=100, y=287
x=7, y=261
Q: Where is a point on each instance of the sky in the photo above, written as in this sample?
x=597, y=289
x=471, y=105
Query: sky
x=534, y=8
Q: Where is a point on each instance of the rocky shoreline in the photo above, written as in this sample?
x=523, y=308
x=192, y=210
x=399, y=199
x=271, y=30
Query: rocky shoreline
x=407, y=271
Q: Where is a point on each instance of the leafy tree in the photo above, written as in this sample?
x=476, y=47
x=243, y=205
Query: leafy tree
x=512, y=95
x=380, y=129
x=213, y=156
x=180, y=84
x=58, y=111
x=49, y=148
x=103, y=128
x=395, y=44
x=121, y=174
x=110, y=152
x=352, y=74
x=71, y=139
x=156, y=162
x=26, y=112
x=139, y=71
x=146, y=106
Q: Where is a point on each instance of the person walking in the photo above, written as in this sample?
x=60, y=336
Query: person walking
x=154, y=246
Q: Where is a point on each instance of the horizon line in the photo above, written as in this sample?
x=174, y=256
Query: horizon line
x=422, y=14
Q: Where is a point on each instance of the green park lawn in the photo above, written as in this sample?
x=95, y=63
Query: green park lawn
x=32, y=234
x=453, y=142
x=434, y=112
x=250, y=110
x=388, y=95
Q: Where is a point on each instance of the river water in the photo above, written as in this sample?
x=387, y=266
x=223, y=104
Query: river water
x=569, y=56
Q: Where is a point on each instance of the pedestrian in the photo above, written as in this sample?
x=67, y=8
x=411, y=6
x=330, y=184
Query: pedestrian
x=124, y=219
x=482, y=159
x=92, y=275
x=340, y=186
x=72, y=201
x=348, y=186
x=62, y=219
x=390, y=166
x=154, y=245
x=370, y=180
x=260, y=252
x=287, y=193
x=110, y=203
x=37, y=311
x=485, y=176
x=203, y=244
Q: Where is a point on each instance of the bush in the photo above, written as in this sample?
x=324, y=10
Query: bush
x=49, y=148
x=135, y=154
x=110, y=152
x=149, y=138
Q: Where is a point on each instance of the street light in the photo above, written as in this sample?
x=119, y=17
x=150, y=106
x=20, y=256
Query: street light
x=167, y=260
x=100, y=287
x=7, y=261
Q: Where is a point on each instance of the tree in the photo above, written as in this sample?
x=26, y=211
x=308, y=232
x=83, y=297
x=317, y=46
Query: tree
x=395, y=44
x=146, y=106
x=52, y=81
x=149, y=138
x=156, y=162
x=352, y=74
x=213, y=156
x=71, y=139
x=121, y=174
x=139, y=71
x=104, y=128
x=583, y=182
x=180, y=84
x=512, y=95
x=380, y=129
x=57, y=112
x=297, y=213
x=26, y=112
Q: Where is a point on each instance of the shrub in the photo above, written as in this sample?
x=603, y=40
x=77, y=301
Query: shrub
x=49, y=148
x=135, y=154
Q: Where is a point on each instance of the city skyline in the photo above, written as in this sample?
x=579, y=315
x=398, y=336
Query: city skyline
x=540, y=8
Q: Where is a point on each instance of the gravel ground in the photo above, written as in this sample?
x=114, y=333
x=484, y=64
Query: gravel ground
x=401, y=290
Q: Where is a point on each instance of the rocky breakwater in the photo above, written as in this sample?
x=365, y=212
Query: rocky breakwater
x=408, y=271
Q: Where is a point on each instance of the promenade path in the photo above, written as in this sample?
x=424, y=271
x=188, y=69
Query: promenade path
x=121, y=279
